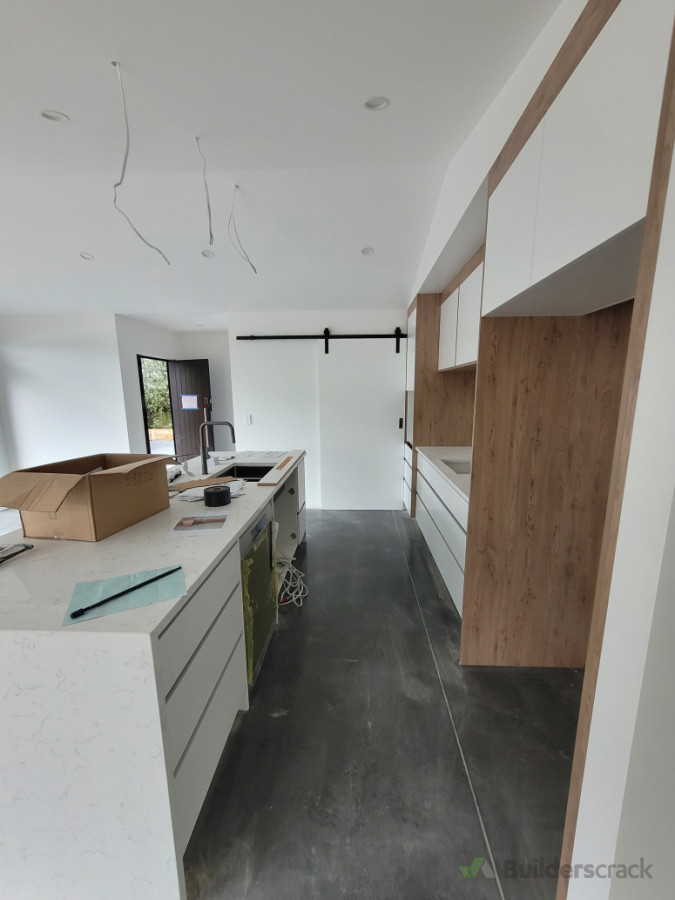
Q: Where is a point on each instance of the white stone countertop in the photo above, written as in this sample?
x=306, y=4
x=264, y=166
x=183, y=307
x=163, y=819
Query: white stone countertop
x=36, y=587
x=437, y=456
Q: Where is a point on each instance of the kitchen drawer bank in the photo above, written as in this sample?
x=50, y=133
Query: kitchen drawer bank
x=442, y=511
x=112, y=728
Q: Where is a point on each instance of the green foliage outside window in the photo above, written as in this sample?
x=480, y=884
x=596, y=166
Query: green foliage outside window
x=156, y=389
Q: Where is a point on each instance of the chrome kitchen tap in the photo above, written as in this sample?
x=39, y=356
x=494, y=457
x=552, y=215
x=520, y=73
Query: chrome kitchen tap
x=202, y=441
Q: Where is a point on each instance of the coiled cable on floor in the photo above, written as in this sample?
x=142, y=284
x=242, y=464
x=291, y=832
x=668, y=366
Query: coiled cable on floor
x=293, y=588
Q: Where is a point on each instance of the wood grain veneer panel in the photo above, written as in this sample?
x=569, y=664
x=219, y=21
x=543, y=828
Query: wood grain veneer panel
x=587, y=27
x=661, y=174
x=547, y=404
x=444, y=401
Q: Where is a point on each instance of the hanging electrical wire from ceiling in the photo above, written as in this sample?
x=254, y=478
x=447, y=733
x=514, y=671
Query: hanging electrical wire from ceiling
x=232, y=230
x=206, y=189
x=118, y=184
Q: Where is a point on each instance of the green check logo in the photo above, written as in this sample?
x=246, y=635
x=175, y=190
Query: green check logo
x=472, y=870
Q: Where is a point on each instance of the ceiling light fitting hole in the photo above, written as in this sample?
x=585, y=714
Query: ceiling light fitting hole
x=376, y=103
x=53, y=115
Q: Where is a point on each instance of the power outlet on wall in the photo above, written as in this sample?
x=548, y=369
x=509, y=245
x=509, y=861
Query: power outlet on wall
x=248, y=419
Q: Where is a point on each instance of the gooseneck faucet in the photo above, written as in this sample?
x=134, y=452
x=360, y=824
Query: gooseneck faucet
x=202, y=441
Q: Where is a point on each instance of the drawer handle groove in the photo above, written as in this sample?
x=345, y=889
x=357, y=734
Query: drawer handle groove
x=206, y=708
x=168, y=625
x=208, y=631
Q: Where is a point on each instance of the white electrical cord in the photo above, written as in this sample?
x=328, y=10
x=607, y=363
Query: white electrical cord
x=293, y=588
x=233, y=234
x=119, y=183
x=206, y=188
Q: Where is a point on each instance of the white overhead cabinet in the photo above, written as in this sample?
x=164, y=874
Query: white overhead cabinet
x=583, y=177
x=410, y=352
x=460, y=323
x=600, y=135
x=512, y=215
x=468, y=317
x=447, y=336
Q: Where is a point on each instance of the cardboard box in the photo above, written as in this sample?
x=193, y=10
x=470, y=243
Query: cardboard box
x=89, y=498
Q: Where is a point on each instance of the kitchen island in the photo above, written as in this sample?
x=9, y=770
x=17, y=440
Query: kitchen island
x=112, y=727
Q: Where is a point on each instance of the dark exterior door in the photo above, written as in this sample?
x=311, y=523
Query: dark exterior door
x=190, y=390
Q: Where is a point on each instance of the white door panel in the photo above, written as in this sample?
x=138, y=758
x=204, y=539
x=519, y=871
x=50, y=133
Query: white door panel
x=361, y=399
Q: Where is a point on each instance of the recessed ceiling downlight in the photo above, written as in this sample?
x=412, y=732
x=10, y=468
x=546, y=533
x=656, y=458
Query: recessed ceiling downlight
x=54, y=115
x=375, y=103
x=88, y=256
x=209, y=254
x=368, y=251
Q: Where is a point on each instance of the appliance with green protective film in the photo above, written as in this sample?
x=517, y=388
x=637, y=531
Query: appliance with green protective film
x=259, y=589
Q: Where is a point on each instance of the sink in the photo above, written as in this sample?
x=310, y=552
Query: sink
x=248, y=472
x=458, y=466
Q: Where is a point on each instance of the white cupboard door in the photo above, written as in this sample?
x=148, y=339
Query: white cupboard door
x=468, y=317
x=410, y=352
x=362, y=390
x=600, y=135
x=512, y=216
x=447, y=337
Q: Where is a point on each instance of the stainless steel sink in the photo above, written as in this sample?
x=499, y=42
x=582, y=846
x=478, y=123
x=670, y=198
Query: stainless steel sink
x=246, y=471
x=458, y=466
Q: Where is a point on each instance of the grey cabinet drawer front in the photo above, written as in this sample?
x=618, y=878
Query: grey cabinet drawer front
x=455, y=502
x=179, y=640
x=191, y=692
x=193, y=776
x=451, y=531
x=447, y=564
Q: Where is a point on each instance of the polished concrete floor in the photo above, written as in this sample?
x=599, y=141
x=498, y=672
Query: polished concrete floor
x=371, y=765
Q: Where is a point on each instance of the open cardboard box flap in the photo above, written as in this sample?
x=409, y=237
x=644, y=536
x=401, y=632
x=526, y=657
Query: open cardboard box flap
x=119, y=464
x=44, y=488
x=36, y=491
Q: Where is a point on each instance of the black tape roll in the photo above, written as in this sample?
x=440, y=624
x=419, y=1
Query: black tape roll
x=217, y=495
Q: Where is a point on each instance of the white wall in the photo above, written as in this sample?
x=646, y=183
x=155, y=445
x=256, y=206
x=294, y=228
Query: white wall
x=277, y=382
x=472, y=162
x=136, y=338
x=648, y=815
x=641, y=554
x=5, y=459
x=61, y=387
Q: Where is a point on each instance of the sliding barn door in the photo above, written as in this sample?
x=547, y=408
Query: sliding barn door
x=361, y=407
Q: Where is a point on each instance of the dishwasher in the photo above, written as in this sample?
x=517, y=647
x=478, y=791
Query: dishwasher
x=259, y=588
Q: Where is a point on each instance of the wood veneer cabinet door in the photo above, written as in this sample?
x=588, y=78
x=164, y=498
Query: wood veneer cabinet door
x=547, y=404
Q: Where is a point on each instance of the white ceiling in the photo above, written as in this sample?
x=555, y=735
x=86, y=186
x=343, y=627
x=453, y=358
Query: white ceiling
x=275, y=91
